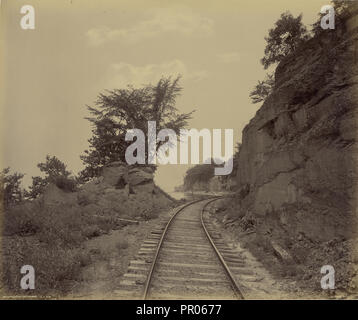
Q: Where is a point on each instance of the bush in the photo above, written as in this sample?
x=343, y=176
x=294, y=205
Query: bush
x=148, y=214
x=62, y=225
x=288, y=33
x=91, y=231
x=55, y=172
x=263, y=89
x=10, y=190
x=56, y=269
x=201, y=173
x=53, y=249
x=65, y=183
x=22, y=220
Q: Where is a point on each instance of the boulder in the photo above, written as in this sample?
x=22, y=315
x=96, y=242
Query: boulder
x=122, y=190
x=137, y=176
x=115, y=173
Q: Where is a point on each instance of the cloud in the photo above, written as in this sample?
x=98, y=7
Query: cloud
x=163, y=20
x=122, y=74
x=229, y=57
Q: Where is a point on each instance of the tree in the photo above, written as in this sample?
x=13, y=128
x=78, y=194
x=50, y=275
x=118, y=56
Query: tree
x=117, y=111
x=201, y=173
x=288, y=33
x=10, y=187
x=341, y=9
x=263, y=89
x=38, y=186
x=55, y=172
x=53, y=168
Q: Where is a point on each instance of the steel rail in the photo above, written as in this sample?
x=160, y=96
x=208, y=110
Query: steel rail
x=234, y=284
x=149, y=278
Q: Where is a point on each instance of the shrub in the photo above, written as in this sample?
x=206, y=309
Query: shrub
x=56, y=268
x=148, y=214
x=91, y=231
x=65, y=183
x=55, y=172
x=201, y=173
x=22, y=220
x=10, y=190
x=288, y=33
x=54, y=248
x=263, y=89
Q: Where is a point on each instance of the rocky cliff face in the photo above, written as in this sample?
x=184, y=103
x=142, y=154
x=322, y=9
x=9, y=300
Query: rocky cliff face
x=298, y=160
x=295, y=206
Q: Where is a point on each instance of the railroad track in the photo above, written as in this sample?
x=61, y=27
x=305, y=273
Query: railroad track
x=184, y=258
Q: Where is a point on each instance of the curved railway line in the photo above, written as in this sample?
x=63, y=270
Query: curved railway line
x=185, y=258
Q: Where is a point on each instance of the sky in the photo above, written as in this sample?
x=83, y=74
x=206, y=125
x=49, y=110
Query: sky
x=80, y=48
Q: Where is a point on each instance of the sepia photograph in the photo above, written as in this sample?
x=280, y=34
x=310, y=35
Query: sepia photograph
x=155, y=150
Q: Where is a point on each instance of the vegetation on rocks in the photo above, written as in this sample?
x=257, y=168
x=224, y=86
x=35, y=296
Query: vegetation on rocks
x=10, y=187
x=288, y=33
x=119, y=110
x=297, y=166
x=47, y=225
x=49, y=232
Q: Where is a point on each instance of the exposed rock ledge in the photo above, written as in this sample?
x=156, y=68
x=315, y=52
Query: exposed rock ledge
x=297, y=168
x=120, y=188
x=300, y=149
